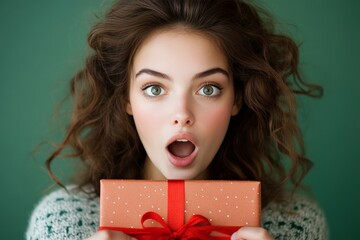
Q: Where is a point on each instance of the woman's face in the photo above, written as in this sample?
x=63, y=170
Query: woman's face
x=182, y=99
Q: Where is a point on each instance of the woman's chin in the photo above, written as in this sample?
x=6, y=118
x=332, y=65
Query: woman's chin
x=184, y=174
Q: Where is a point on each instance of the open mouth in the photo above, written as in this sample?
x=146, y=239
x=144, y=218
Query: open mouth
x=181, y=152
x=181, y=148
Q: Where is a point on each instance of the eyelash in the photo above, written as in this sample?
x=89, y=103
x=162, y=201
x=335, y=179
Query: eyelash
x=149, y=85
x=215, y=85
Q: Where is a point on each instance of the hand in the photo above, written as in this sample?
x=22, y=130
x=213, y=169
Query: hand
x=107, y=235
x=251, y=233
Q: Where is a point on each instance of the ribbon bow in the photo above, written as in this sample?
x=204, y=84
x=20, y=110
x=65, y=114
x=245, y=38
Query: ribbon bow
x=196, y=228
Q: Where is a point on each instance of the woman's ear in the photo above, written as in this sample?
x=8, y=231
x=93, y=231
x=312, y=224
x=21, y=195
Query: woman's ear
x=235, y=110
x=237, y=106
x=128, y=108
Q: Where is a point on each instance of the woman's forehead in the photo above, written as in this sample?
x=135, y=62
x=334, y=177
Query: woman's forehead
x=172, y=49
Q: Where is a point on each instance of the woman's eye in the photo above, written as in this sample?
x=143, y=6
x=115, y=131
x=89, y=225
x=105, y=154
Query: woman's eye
x=153, y=90
x=209, y=90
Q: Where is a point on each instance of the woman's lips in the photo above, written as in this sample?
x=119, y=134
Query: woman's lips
x=181, y=148
x=181, y=160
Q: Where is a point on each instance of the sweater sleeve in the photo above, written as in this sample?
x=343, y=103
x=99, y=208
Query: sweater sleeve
x=62, y=215
x=298, y=219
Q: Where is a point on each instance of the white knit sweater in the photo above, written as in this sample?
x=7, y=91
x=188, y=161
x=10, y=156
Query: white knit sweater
x=60, y=215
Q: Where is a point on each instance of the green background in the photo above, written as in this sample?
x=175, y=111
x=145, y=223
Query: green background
x=42, y=43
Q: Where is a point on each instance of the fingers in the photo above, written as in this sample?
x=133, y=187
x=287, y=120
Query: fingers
x=251, y=233
x=244, y=233
x=107, y=235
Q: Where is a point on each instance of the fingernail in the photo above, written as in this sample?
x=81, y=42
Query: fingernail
x=233, y=237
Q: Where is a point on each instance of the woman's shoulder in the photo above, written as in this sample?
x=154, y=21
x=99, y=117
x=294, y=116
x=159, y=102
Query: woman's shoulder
x=71, y=214
x=298, y=218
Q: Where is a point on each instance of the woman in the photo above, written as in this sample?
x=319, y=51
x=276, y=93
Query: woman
x=186, y=90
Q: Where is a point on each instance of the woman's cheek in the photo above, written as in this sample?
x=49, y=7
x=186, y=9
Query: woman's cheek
x=216, y=120
x=147, y=120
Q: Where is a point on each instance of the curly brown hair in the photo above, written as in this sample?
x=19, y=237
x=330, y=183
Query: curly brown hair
x=263, y=142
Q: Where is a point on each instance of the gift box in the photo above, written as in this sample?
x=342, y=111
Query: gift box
x=174, y=209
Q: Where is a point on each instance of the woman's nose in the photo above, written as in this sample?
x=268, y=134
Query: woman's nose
x=181, y=121
x=183, y=114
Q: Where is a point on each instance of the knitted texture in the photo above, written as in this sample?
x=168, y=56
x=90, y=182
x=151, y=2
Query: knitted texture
x=75, y=215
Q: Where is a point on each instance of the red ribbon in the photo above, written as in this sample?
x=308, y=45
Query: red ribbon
x=176, y=204
x=196, y=228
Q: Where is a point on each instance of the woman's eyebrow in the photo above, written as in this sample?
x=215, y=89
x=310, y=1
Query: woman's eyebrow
x=153, y=73
x=211, y=72
x=197, y=76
